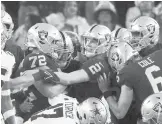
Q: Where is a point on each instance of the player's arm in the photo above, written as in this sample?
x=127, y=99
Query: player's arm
x=73, y=77
x=121, y=107
x=90, y=70
x=28, y=78
x=25, y=80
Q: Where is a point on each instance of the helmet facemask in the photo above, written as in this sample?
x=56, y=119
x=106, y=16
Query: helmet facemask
x=64, y=57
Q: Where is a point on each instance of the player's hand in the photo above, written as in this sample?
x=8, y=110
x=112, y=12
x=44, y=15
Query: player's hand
x=49, y=76
x=26, y=106
x=104, y=82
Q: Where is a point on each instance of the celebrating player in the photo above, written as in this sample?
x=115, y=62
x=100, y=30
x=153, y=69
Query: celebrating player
x=89, y=111
x=41, y=57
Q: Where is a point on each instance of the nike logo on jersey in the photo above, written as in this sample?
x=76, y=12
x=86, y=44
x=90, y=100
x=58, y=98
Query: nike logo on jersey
x=47, y=76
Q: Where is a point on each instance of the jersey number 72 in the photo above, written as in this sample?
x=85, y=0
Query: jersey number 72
x=40, y=58
x=156, y=83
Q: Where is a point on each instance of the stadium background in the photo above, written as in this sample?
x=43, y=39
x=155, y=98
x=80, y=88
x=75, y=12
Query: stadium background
x=13, y=6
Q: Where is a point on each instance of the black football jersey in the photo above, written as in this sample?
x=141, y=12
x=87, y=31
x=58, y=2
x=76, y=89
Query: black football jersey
x=32, y=61
x=143, y=76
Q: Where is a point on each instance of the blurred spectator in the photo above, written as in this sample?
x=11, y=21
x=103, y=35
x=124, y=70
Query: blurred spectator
x=89, y=10
x=19, y=36
x=105, y=14
x=25, y=8
x=141, y=8
x=158, y=12
x=68, y=19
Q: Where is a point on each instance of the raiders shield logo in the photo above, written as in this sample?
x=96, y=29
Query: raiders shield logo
x=42, y=34
x=115, y=57
x=158, y=107
x=151, y=28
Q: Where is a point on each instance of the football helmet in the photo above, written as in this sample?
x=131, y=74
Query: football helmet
x=45, y=38
x=121, y=35
x=145, y=32
x=7, y=26
x=74, y=36
x=64, y=51
x=92, y=111
x=151, y=108
x=96, y=40
x=75, y=40
x=120, y=54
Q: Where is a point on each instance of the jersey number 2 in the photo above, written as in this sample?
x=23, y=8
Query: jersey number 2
x=95, y=68
x=156, y=83
x=41, y=60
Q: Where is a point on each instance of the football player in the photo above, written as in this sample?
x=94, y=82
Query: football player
x=92, y=110
x=124, y=35
x=7, y=64
x=145, y=35
x=151, y=109
x=94, y=42
x=135, y=77
x=49, y=48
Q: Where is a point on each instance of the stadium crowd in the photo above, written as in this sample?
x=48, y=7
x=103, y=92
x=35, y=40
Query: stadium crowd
x=76, y=62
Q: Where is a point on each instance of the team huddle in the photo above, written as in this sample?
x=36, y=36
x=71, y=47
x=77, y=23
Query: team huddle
x=124, y=66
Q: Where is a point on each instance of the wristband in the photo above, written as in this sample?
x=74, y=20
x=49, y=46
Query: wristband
x=107, y=94
x=9, y=113
x=6, y=92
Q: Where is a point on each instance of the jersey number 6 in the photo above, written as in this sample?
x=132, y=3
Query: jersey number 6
x=40, y=58
x=156, y=83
